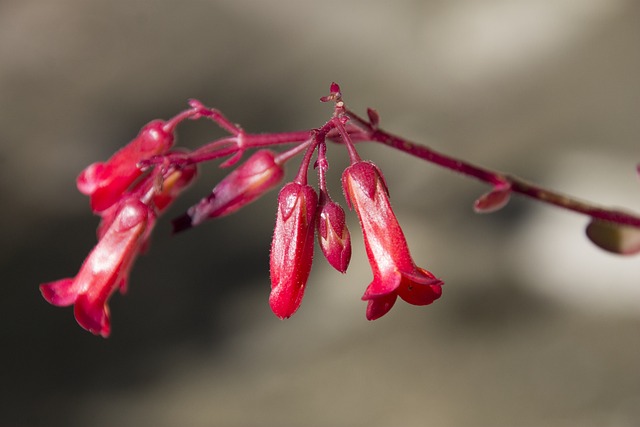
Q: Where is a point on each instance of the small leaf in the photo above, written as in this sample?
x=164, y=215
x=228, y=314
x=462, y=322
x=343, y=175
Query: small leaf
x=494, y=200
x=374, y=117
x=615, y=238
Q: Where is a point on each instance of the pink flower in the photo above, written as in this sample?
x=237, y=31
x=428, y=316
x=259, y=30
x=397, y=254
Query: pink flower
x=292, y=247
x=103, y=270
x=394, y=272
x=259, y=174
x=105, y=182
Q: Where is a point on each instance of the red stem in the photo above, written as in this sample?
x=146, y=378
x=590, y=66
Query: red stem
x=518, y=185
x=230, y=145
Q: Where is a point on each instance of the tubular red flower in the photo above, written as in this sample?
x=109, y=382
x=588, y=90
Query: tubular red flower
x=105, y=182
x=292, y=247
x=103, y=270
x=394, y=272
x=259, y=174
x=124, y=232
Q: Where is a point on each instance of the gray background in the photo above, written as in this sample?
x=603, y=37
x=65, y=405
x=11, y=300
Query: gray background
x=536, y=327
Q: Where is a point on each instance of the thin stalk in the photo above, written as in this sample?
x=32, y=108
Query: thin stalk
x=492, y=177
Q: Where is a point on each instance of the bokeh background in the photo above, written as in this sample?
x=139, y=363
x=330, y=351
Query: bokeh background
x=536, y=326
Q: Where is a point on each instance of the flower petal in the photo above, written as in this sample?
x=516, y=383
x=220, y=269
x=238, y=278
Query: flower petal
x=379, y=306
x=421, y=288
x=383, y=285
x=93, y=315
x=60, y=293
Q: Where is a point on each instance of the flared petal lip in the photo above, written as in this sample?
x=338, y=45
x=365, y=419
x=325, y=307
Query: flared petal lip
x=381, y=286
x=379, y=306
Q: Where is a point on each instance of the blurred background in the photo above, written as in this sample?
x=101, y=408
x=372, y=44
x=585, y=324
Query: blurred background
x=536, y=326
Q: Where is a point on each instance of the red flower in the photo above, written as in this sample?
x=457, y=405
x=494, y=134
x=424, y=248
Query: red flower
x=103, y=270
x=259, y=174
x=394, y=272
x=292, y=247
x=105, y=182
x=124, y=232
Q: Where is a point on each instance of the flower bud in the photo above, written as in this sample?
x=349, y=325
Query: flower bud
x=259, y=174
x=292, y=247
x=333, y=234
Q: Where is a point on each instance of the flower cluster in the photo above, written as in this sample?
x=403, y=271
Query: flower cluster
x=129, y=202
x=140, y=181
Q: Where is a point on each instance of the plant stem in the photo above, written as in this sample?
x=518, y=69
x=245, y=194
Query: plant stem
x=518, y=185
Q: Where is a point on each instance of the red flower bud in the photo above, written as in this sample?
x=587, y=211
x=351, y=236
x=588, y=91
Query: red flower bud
x=394, y=272
x=259, y=174
x=333, y=234
x=292, y=247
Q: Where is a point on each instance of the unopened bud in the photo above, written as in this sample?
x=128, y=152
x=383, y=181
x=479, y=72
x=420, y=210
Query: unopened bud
x=259, y=174
x=333, y=235
x=292, y=247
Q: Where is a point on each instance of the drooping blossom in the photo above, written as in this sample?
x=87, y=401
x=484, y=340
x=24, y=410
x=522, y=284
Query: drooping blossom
x=124, y=232
x=259, y=174
x=394, y=271
x=292, y=247
x=102, y=271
